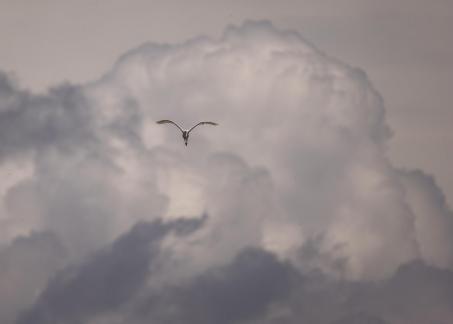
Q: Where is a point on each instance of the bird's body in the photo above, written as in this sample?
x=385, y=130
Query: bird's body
x=185, y=136
x=186, y=132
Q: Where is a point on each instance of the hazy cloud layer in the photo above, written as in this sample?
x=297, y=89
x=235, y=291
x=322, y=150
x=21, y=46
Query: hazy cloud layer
x=295, y=182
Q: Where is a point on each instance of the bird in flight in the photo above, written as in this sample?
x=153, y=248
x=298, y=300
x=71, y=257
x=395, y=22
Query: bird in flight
x=185, y=132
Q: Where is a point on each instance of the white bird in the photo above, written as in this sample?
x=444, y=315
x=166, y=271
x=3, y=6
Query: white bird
x=185, y=132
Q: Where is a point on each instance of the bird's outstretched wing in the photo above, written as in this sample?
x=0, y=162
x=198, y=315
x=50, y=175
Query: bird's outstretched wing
x=203, y=123
x=166, y=121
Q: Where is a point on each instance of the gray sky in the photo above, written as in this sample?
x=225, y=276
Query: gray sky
x=290, y=210
x=405, y=46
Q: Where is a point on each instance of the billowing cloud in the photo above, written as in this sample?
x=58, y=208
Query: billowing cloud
x=254, y=287
x=107, y=280
x=295, y=181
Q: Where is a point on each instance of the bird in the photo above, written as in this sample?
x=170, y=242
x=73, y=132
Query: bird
x=185, y=132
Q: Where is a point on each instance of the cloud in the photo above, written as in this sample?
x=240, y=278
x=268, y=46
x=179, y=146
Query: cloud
x=107, y=280
x=433, y=218
x=25, y=266
x=61, y=119
x=237, y=292
x=254, y=287
x=297, y=172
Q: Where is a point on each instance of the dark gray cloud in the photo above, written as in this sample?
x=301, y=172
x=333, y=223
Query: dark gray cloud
x=61, y=119
x=237, y=292
x=107, y=279
x=26, y=264
x=255, y=287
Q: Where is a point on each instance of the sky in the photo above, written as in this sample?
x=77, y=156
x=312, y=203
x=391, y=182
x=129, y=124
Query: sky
x=322, y=196
x=404, y=46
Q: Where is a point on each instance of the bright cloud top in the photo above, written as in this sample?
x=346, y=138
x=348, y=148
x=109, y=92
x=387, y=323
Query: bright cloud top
x=300, y=149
